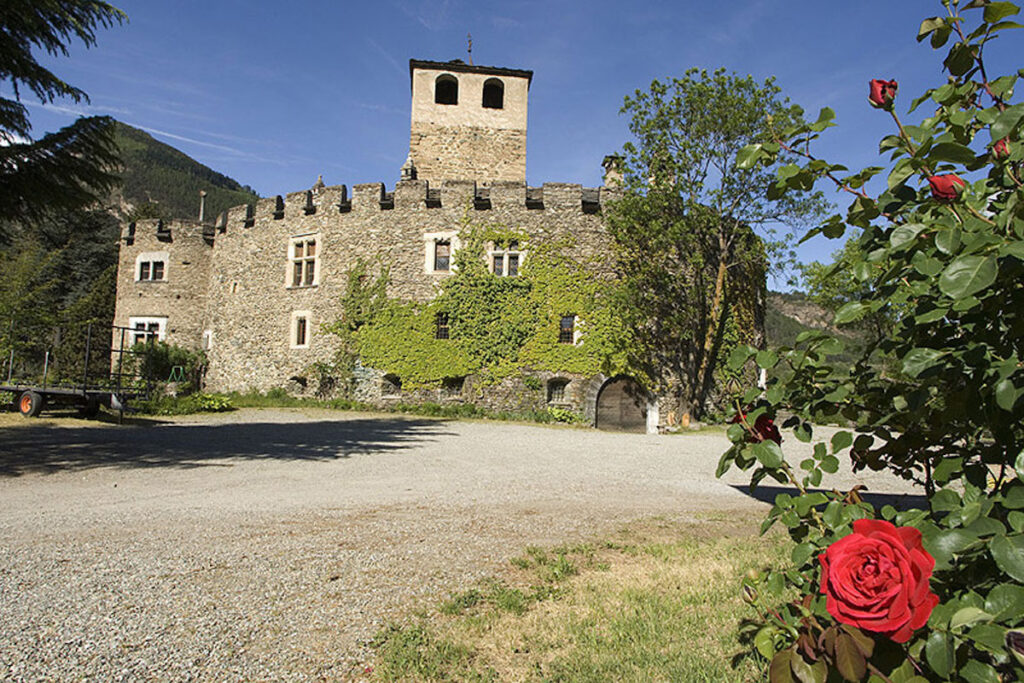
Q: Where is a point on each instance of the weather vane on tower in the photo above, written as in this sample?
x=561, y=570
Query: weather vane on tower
x=469, y=37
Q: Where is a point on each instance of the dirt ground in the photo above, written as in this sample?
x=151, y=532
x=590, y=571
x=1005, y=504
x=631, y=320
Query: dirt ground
x=271, y=544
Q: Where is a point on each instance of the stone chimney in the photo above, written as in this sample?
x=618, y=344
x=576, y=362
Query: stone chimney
x=612, y=170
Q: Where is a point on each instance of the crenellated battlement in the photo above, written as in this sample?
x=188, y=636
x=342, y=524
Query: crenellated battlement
x=369, y=198
x=150, y=230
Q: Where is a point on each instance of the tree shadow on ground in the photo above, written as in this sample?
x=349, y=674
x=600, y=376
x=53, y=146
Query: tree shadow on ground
x=49, y=449
x=900, y=501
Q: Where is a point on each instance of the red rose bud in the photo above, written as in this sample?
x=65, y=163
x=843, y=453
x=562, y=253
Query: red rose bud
x=877, y=579
x=946, y=188
x=1001, y=149
x=882, y=93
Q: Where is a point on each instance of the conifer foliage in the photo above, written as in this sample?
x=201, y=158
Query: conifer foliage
x=67, y=169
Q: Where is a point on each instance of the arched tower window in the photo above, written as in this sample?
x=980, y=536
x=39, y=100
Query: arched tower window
x=446, y=90
x=494, y=94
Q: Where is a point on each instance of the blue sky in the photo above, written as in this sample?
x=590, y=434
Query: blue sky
x=274, y=94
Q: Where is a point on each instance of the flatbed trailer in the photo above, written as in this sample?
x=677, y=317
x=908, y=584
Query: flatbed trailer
x=112, y=389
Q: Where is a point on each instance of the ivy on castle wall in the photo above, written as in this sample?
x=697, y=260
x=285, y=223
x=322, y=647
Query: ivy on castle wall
x=498, y=326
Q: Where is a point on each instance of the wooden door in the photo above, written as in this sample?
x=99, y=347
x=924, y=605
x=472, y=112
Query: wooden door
x=622, y=406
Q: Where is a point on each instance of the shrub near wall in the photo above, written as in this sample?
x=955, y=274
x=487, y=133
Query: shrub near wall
x=935, y=593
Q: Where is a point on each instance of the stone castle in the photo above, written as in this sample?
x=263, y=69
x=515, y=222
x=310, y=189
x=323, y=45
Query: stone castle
x=254, y=288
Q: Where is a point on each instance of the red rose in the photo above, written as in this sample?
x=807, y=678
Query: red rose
x=882, y=93
x=764, y=429
x=1001, y=149
x=946, y=188
x=877, y=579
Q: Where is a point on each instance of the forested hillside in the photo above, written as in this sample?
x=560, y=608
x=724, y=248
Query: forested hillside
x=162, y=182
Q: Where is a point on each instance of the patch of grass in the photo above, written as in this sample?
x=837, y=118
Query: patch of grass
x=414, y=652
x=460, y=602
x=661, y=601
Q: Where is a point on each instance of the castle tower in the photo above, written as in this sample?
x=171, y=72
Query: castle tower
x=468, y=122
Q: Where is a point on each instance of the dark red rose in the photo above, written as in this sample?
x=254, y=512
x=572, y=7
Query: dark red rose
x=877, y=579
x=946, y=188
x=764, y=429
x=1001, y=149
x=882, y=93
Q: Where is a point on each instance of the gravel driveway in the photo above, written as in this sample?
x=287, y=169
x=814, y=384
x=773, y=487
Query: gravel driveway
x=268, y=545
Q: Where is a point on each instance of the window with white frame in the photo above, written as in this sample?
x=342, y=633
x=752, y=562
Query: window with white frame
x=439, y=250
x=301, y=329
x=147, y=329
x=506, y=258
x=442, y=255
x=151, y=266
x=303, y=261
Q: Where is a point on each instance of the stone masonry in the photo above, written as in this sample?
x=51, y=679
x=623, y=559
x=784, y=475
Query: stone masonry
x=254, y=288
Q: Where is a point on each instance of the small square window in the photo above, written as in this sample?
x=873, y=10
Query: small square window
x=566, y=329
x=442, y=255
x=505, y=257
x=151, y=271
x=147, y=330
x=556, y=390
x=441, y=326
x=151, y=266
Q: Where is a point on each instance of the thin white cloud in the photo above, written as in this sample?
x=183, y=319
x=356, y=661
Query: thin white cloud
x=381, y=108
x=506, y=22
x=192, y=141
x=434, y=18
x=388, y=57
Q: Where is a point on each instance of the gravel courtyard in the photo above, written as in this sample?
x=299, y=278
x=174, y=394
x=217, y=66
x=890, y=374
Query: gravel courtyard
x=270, y=544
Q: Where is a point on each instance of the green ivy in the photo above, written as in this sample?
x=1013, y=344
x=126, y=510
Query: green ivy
x=499, y=326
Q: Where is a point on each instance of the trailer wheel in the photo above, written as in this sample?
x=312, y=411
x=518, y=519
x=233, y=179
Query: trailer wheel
x=30, y=404
x=91, y=408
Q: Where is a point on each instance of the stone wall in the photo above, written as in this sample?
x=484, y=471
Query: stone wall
x=249, y=303
x=448, y=152
x=180, y=295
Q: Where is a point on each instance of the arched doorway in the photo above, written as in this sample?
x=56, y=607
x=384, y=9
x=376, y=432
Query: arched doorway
x=622, y=406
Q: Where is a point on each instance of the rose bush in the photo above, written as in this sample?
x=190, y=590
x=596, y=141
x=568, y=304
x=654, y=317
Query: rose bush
x=932, y=588
x=877, y=579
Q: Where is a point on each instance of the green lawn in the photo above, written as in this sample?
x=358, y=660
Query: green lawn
x=658, y=601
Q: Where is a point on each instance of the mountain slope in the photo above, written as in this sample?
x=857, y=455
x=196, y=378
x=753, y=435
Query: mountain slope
x=162, y=182
x=787, y=314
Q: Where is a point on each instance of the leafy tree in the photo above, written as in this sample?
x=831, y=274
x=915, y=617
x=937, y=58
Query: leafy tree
x=944, y=248
x=684, y=228
x=75, y=166
x=834, y=285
